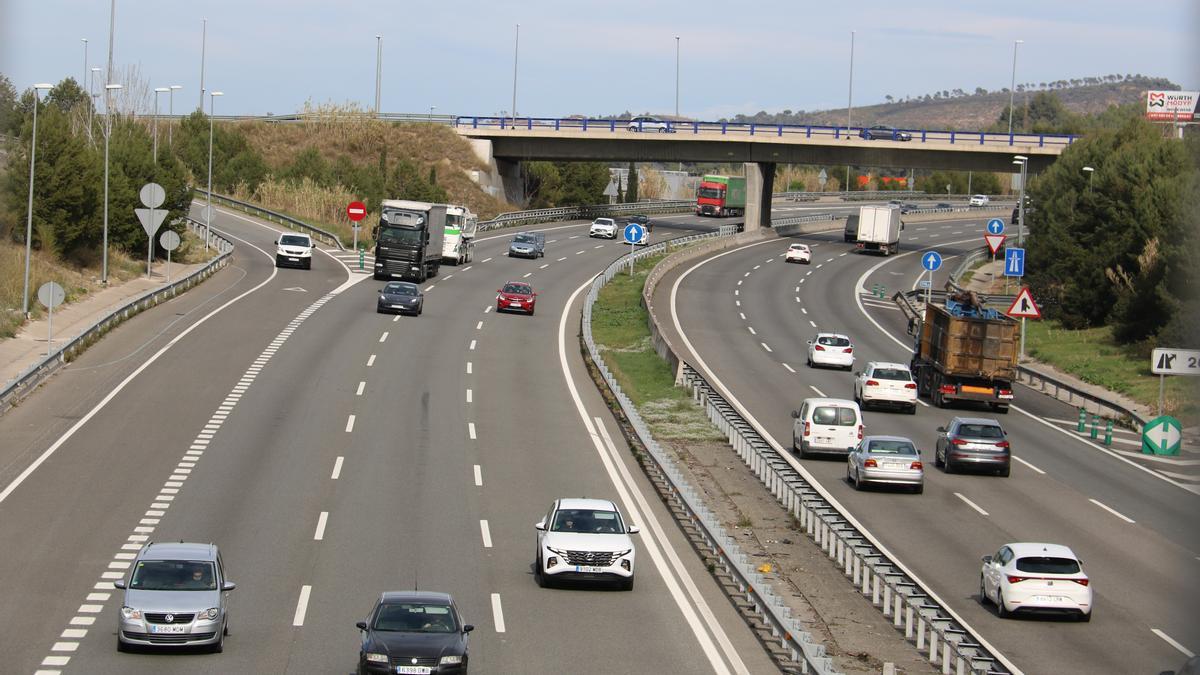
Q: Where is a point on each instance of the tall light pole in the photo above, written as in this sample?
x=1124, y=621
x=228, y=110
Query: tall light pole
x=83, y=83
x=95, y=101
x=1090, y=172
x=171, y=115
x=208, y=210
x=37, y=89
x=378, y=71
x=516, y=50
x=203, y=47
x=1012, y=86
x=431, y=109
x=849, y=104
x=676, y=77
x=108, y=89
x=1023, y=161
x=157, y=91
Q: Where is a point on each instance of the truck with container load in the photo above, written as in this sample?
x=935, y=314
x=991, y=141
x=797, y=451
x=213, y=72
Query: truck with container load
x=964, y=351
x=879, y=229
x=458, y=246
x=408, y=239
x=721, y=196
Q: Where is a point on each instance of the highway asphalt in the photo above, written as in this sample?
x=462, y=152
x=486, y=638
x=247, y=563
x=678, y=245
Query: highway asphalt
x=747, y=315
x=334, y=453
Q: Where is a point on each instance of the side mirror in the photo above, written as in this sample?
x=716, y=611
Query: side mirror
x=228, y=586
x=119, y=583
x=314, y=245
x=468, y=628
x=499, y=290
x=858, y=373
x=276, y=242
x=986, y=560
x=795, y=414
x=634, y=529
x=361, y=625
x=540, y=526
x=941, y=430
x=810, y=342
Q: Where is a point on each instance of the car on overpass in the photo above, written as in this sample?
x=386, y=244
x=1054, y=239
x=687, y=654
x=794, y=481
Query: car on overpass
x=647, y=123
x=414, y=632
x=584, y=540
x=884, y=132
x=1036, y=578
x=886, y=460
x=516, y=296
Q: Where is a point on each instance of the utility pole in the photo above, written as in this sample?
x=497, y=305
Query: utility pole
x=378, y=71
x=203, y=46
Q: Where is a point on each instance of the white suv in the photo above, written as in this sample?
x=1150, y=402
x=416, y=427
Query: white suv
x=889, y=384
x=978, y=200
x=294, y=250
x=584, y=540
x=603, y=227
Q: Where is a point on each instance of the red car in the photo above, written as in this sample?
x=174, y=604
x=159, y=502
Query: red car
x=517, y=296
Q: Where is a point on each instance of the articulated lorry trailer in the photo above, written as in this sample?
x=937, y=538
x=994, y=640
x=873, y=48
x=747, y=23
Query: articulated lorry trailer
x=965, y=352
x=879, y=229
x=408, y=240
x=721, y=196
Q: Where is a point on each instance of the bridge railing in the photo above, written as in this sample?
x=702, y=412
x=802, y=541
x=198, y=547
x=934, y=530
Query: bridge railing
x=574, y=124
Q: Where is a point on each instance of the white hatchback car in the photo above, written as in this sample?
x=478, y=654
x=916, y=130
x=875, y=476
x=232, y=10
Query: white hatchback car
x=584, y=540
x=603, y=227
x=831, y=349
x=886, y=384
x=798, y=253
x=647, y=123
x=1032, y=577
x=978, y=200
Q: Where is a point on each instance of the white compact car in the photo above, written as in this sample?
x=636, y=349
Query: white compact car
x=886, y=384
x=584, y=540
x=798, y=253
x=831, y=349
x=978, y=200
x=294, y=250
x=1027, y=577
x=647, y=123
x=603, y=227
x=826, y=425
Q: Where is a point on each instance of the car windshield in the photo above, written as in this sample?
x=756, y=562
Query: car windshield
x=798, y=247
x=892, y=448
x=415, y=617
x=293, y=240
x=519, y=289
x=604, y=221
x=712, y=193
x=524, y=239
x=841, y=417
x=980, y=431
x=892, y=374
x=173, y=575
x=832, y=341
x=400, y=289
x=587, y=520
x=1047, y=565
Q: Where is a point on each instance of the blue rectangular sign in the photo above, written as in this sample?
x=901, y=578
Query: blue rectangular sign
x=1014, y=262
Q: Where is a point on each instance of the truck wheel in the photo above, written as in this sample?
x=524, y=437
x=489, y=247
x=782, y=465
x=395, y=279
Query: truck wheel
x=999, y=409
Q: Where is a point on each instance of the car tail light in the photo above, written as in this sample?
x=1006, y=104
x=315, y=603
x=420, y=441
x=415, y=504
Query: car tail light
x=848, y=350
x=1006, y=392
x=911, y=385
x=870, y=464
x=860, y=432
x=1081, y=582
x=916, y=466
x=1002, y=444
x=807, y=428
x=1014, y=579
x=957, y=441
x=946, y=389
x=872, y=383
x=820, y=348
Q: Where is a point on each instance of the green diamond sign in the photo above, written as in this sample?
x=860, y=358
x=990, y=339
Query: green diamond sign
x=1162, y=436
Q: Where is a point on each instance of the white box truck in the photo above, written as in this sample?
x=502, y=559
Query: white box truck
x=879, y=229
x=459, y=245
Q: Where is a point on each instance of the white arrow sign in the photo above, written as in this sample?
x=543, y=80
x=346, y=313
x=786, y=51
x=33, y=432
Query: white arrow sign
x=1168, y=435
x=151, y=219
x=1166, y=361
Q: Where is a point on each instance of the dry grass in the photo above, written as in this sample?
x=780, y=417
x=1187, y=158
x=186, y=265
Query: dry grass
x=319, y=206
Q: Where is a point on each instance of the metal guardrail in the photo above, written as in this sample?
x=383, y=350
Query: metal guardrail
x=584, y=212
x=977, y=138
x=28, y=380
x=272, y=216
x=792, y=637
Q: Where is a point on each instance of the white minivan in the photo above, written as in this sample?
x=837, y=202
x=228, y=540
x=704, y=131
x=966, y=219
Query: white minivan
x=826, y=426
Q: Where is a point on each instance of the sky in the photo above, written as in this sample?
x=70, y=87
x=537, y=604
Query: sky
x=272, y=56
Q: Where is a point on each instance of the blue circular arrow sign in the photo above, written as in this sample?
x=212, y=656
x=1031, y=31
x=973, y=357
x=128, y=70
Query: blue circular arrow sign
x=634, y=233
x=931, y=260
x=995, y=226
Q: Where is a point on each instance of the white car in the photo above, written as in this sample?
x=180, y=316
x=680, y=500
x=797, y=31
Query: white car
x=831, y=349
x=647, y=123
x=978, y=200
x=886, y=384
x=798, y=253
x=603, y=227
x=294, y=250
x=584, y=540
x=827, y=426
x=1036, y=578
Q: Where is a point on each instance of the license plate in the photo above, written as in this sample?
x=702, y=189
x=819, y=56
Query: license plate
x=294, y=259
x=589, y=570
x=824, y=440
x=414, y=670
x=894, y=465
x=154, y=628
x=398, y=306
x=1049, y=599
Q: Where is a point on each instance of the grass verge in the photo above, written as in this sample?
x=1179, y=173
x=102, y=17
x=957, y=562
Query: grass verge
x=622, y=334
x=1094, y=357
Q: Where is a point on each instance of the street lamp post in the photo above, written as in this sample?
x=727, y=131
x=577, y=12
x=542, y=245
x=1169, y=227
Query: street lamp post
x=1090, y=172
x=157, y=91
x=208, y=210
x=849, y=104
x=85, y=67
x=378, y=71
x=516, y=51
x=108, y=89
x=37, y=89
x=171, y=115
x=95, y=97
x=1012, y=86
x=431, y=109
x=1023, y=162
x=676, y=78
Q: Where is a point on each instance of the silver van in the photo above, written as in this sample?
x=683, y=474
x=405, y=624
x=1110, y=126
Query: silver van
x=831, y=426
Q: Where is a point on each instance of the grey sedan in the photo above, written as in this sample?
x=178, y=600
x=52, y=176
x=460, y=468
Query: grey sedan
x=402, y=297
x=973, y=442
x=886, y=460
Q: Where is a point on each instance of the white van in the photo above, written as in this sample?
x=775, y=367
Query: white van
x=827, y=426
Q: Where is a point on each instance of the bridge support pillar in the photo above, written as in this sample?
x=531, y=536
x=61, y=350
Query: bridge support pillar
x=504, y=179
x=760, y=181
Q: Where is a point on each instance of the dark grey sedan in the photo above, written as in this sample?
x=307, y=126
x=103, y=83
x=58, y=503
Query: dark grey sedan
x=973, y=443
x=402, y=297
x=883, y=132
x=886, y=460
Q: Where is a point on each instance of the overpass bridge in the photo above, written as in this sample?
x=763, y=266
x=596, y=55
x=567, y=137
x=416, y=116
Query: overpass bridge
x=761, y=147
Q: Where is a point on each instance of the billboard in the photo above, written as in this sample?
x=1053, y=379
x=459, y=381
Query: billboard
x=1168, y=106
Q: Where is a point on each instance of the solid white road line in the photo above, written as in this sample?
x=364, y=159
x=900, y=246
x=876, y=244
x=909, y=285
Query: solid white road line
x=471, y=430
x=301, y=606
x=350, y=424
x=497, y=613
x=478, y=476
x=337, y=468
x=1028, y=464
x=321, y=520
x=970, y=503
x=487, y=534
x=1167, y=638
x=1113, y=511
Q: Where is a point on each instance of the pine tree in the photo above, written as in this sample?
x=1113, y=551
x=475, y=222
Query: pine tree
x=631, y=192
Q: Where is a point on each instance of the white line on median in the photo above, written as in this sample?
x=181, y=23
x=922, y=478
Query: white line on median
x=337, y=468
x=301, y=606
x=321, y=520
x=497, y=613
x=970, y=503
x=486, y=532
x=1113, y=511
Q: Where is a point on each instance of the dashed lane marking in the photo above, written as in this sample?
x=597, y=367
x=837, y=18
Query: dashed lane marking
x=1113, y=511
x=337, y=468
x=970, y=503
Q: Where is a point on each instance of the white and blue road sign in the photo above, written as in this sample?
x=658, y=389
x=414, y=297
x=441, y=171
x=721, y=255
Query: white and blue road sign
x=931, y=261
x=634, y=233
x=995, y=226
x=1014, y=262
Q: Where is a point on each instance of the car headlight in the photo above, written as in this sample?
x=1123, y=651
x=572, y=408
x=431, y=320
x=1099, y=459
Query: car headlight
x=211, y=613
x=451, y=660
x=621, y=554
x=556, y=551
x=131, y=613
x=377, y=658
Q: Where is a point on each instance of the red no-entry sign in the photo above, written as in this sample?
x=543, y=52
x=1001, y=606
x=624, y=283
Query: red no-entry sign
x=356, y=211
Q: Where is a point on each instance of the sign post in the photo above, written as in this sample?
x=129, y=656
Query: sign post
x=356, y=211
x=633, y=234
x=152, y=196
x=50, y=295
x=1023, y=307
x=169, y=241
x=931, y=261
